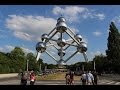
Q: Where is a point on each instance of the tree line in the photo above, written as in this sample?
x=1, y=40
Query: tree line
x=16, y=61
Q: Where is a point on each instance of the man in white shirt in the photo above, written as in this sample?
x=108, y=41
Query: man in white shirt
x=83, y=78
x=90, y=78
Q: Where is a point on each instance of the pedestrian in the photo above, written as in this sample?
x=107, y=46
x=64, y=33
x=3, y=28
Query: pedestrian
x=83, y=78
x=23, y=78
x=89, y=78
x=71, y=77
x=32, y=78
x=67, y=77
x=95, y=75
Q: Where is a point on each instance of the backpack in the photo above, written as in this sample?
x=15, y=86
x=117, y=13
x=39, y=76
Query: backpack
x=24, y=76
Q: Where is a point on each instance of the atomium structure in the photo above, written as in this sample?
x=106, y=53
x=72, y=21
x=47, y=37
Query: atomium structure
x=75, y=41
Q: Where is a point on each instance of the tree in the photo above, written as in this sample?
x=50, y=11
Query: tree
x=100, y=63
x=113, y=51
x=17, y=59
x=33, y=64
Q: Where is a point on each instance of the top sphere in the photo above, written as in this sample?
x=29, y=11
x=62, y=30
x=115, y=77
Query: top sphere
x=61, y=19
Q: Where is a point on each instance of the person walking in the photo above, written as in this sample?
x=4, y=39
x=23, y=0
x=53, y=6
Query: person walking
x=23, y=78
x=71, y=77
x=32, y=78
x=83, y=78
x=89, y=78
x=95, y=75
x=67, y=77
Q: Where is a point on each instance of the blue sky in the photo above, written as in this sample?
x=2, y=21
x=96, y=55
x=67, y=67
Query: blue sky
x=23, y=25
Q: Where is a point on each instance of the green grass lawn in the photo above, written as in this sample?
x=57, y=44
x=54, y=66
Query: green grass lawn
x=56, y=76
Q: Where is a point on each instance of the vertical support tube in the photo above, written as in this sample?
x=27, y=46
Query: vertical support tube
x=85, y=57
x=38, y=56
x=61, y=53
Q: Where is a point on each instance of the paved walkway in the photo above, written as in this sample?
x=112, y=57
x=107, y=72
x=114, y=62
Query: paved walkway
x=8, y=75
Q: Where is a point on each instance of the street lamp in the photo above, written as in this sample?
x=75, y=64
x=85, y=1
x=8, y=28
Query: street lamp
x=27, y=64
x=94, y=64
x=40, y=69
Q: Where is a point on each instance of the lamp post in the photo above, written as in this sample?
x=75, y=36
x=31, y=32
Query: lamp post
x=40, y=67
x=27, y=64
x=94, y=64
x=82, y=67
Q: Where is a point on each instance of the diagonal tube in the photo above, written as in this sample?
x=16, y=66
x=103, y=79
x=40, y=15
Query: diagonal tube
x=72, y=37
x=69, y=45
x=51, y=31
x=50, y=37
x=71, y=31
x=71, y=56
x=51, y=56
x=54, y=45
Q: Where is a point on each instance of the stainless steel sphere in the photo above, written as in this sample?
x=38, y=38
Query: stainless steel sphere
x=61, y=62
x=44, y=37
x=61, y=27
x=78, y=37
x=61, y=43
x=61, y=52
x=61, y=19
x=40, y=47
x=82, y=48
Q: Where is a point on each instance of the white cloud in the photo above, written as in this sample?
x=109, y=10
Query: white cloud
x=26, y=50
x=116, y=20
x=96, y=53
x=6, y=48
x=85, y=40
x=97, y=33
x=9, y=48
x=29, y=27
x=75, y=13
x=23, y=35
x=100, y=16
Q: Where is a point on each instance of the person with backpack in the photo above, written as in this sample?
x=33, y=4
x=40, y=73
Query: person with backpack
x=23, y=78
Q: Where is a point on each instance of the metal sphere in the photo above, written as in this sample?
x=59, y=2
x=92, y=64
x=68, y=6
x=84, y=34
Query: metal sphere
x=61, y=43
x=40, y=47
x=61, y=62
x=44, y=37
x=61, y=27
x=61, y=19
x=59, y=52
x=78, y=37
x=82, y=48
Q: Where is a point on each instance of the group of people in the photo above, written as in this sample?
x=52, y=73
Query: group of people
x=89, y=78
x=25, y=77
x=69, y=78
